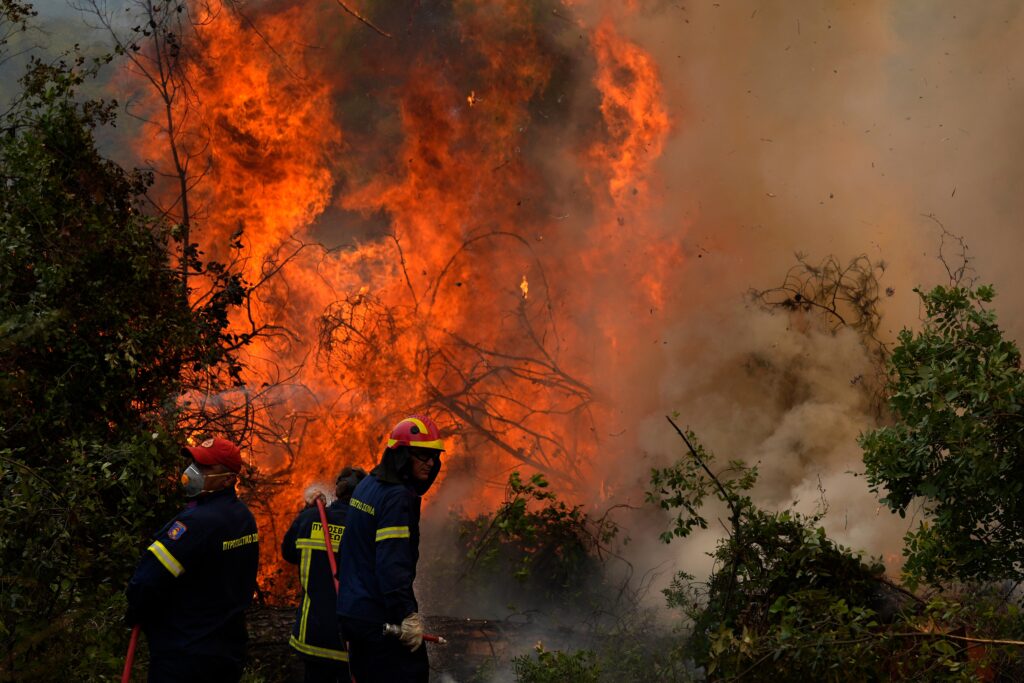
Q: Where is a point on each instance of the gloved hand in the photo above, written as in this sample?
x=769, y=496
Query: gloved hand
x=310, y=495
x=412, y=632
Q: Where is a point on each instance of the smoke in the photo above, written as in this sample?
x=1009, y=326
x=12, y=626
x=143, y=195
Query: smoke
x=832, y=129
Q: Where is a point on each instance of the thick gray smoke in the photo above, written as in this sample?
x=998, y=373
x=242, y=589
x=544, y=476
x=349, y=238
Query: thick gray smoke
x=825, y=128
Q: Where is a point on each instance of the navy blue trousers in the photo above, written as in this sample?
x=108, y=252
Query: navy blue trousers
x=376, y=658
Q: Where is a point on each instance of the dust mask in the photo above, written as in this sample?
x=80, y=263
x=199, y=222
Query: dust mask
x=194, y=481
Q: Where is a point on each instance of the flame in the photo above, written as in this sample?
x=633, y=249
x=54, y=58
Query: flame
x=384, y=213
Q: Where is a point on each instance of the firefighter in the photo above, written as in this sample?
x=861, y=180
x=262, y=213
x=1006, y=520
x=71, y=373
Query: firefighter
x=315, y=634
x=379, y=551
x=195, y=580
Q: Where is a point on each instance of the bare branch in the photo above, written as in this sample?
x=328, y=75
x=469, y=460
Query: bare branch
x=362, y=18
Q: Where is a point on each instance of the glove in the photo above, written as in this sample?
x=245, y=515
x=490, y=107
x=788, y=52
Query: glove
x=412, y=632
x=310, y=495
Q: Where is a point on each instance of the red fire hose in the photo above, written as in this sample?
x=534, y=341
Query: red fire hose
x=328, y=546
x=126, y=675
x=396, y=630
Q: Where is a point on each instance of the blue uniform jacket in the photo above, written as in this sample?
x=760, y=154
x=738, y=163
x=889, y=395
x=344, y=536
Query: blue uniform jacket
x=316, y=627
x=379, y=552
x=196, y=579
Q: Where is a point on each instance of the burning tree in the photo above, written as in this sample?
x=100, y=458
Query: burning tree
x=480, y=388
x=415, y=222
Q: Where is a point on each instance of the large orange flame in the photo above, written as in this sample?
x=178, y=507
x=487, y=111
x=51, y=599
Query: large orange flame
x=407, y=195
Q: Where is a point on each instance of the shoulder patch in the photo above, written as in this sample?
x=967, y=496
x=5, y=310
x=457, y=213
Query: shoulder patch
x=176, y=531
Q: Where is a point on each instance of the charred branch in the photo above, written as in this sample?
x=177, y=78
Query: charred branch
x=361, y=18
x=513, y=392
x=846, y=295
x=837, y=296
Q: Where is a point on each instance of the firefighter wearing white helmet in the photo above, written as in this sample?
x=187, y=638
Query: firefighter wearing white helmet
x=379, y=552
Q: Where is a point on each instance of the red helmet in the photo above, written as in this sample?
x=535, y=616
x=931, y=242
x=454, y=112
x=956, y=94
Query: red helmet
x=416, y=430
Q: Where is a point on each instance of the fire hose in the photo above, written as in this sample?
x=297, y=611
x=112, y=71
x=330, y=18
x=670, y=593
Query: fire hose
x=129, y=659
x=328, y=545
x=396, y=630
x=389, y=629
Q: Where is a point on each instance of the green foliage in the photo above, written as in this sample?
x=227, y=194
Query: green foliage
x=786, y=602
x=814, y=636
x=766, y=556
x=95, y=329
x=780, y=560
x=539, y=559
x=551, y=550
x=556, y=667
x=14, y=17
x=689, y=481
x=956, y=390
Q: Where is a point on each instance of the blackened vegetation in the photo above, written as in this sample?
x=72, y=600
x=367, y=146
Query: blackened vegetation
x=835, y=295
x=845, y=295
x=548, y=577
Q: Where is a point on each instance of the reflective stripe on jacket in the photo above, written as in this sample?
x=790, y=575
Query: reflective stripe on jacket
x=315, y=631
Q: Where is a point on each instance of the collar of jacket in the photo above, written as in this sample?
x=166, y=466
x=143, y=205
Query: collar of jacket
x=394, y=468
x=223, y=494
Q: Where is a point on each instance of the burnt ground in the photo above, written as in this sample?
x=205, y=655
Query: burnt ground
x=475, y=646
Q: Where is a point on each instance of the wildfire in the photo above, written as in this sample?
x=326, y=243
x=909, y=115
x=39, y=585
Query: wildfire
x=382, y=220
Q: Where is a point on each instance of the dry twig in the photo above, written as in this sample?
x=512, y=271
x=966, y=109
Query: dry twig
x=361, y=18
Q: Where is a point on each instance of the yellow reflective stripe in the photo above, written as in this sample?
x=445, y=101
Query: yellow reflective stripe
x=313, y=544
x=387, y=532
x=327, y=653
x=166, y=559
x=304, y=576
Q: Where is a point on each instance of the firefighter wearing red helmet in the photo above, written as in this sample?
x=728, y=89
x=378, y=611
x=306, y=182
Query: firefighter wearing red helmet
x=379, y=552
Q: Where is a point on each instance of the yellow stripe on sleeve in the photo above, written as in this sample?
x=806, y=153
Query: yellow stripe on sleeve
x=389, y=532
x=166, y=559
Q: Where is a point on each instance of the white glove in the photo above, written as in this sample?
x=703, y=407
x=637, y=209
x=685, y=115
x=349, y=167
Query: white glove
x=310, y=495
x=412, y=632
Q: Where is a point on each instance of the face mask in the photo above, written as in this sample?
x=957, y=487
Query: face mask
x=194, y=481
